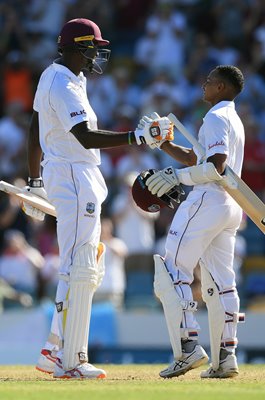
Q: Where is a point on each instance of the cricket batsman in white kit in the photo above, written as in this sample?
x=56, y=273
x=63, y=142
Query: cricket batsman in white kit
x=64, y=132
x=203, y=230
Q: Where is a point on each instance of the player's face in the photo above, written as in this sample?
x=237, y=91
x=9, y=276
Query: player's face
x=89, y=51
x=211, y=88
x=94, y=57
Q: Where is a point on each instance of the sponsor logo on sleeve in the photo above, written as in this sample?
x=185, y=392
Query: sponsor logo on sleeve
x=76, y=113
x=221, y=143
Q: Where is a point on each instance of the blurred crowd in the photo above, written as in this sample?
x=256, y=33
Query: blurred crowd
x=162, y=51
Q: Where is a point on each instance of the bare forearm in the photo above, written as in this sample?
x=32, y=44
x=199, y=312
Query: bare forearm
x=105, y=139
x=101, y=139
x=34, y=159
x=34, y=149
x=181, y=154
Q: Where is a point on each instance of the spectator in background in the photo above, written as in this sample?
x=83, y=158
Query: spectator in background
x=9, y=295
x=41, y=26
x=46, y=238
x=186, y=90
x=12, y=140
x=13, y=36
x=134, y=160
x=129, y=20
x=20, y=264
x=49, y=272
x=113, y=284
x=100, y=91
x=230, y=17
x=199, y=58
x=125, y=118
x=254, y=92
x=109, y=93
x=106, y=166
x=44, y=16
x=253, y=172
x=134, y=226
x=17, y=82
x=163, y=45
x=126, y=91
x=222, y=51
x=158, y=96
x=12, y=217
x=259, y=33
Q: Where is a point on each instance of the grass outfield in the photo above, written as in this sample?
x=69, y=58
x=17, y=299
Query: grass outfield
x=131, y=382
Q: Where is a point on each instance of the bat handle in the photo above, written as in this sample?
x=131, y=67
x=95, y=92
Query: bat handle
x=186, y=134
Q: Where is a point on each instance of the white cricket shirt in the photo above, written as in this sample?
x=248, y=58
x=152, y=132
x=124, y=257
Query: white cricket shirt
x=61, y=101
x=222, y=132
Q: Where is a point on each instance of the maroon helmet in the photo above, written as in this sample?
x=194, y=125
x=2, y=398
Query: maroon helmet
x=84, y=35
x=150, y=202
x=80, y=30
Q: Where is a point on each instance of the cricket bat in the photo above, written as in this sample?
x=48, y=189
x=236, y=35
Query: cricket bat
x=237, y=188
x=29, y=198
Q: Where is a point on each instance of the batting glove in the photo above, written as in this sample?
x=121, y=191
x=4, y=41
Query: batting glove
x=151, y=130
x=162, y=181
x=35, y=186
x=145, y=120
x=33, y=212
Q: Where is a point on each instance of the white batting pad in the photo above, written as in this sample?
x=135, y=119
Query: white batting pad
x=216, y=314
x=165, y=291
x=84, y=277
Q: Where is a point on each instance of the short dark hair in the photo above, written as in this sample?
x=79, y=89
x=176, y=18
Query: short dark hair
x=232, y=75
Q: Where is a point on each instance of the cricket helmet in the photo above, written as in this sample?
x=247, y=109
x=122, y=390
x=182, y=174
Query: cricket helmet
x=84, y=35
x=150, y=202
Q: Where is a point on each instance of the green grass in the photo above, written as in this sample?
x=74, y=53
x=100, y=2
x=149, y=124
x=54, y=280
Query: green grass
x=131, y=382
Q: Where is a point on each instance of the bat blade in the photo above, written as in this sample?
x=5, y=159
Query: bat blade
x=29, y=198
x=238, y=189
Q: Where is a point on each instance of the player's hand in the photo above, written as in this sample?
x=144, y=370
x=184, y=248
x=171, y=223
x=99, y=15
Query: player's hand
x=38, y=191
x=154, y=116
x=33, y=212
x=162, y=181
x=151, y=131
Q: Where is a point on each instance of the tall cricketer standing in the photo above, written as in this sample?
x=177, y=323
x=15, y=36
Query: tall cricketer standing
x=64, y=129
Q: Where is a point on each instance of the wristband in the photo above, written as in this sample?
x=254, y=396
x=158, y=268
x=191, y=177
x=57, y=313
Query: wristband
x=130, y=133
x=35, y=182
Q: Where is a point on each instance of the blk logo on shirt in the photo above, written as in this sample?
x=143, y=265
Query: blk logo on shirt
x=76, y=113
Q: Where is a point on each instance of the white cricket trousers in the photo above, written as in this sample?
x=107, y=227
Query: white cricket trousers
x=203, y=228
x=77, y=191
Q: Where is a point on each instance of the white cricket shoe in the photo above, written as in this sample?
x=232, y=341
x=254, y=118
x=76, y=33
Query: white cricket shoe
x=228, y=368
x=46, y=361
x=81, y=371
x=188, y=361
